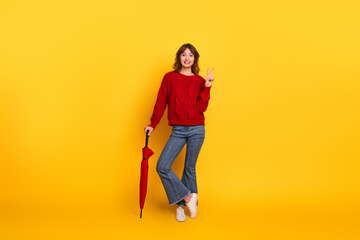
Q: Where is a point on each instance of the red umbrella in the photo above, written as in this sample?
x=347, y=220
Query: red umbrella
x=147, y=152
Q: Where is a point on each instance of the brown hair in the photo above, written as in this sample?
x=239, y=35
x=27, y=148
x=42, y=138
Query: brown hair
x=195, y=67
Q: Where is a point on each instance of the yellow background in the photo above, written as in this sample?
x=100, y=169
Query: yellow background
x=79, y=80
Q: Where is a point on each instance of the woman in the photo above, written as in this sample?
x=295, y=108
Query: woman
x=187, y=95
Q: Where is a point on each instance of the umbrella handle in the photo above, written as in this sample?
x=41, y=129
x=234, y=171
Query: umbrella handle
x=147, y=138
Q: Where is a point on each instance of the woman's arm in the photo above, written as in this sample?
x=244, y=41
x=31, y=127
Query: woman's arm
x=203, y=98
x=160, y=104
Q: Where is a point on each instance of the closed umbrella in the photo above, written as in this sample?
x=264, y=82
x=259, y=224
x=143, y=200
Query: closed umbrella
x=147, y=153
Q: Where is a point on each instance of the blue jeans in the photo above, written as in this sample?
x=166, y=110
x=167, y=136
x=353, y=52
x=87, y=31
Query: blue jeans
x=177, y=190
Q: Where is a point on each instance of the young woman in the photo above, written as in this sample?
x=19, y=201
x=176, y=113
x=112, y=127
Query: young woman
x=187, y=95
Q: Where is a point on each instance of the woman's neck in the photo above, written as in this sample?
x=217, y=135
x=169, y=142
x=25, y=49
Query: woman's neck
x=186, y=71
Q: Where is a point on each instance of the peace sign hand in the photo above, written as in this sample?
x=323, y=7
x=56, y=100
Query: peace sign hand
x=209, y=78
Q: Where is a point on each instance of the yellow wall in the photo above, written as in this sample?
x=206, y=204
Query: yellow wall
x=78, y=82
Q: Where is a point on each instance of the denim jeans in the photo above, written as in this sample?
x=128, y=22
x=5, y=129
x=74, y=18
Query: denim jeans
x=177, y=190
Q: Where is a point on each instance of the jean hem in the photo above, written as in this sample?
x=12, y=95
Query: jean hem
x=180, y=199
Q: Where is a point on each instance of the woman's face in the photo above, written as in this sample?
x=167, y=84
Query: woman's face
x=187, y=58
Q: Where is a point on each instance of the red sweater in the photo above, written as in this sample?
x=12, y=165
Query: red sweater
x=187, y=98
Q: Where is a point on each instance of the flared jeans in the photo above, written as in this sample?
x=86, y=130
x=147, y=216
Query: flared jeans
x=175, y=188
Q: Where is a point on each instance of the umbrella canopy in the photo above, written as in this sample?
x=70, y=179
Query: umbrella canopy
x=147, y=153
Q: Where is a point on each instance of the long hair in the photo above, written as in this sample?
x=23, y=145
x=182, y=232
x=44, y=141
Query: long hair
x=195, y=67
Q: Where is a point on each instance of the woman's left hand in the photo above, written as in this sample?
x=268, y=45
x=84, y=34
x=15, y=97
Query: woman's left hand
x=209, y=78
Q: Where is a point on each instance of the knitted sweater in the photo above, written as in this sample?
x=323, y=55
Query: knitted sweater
x=187, y=98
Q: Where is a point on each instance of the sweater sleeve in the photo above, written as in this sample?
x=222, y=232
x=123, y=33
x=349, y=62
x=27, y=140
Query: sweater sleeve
x=203, y=98
x=161, y=102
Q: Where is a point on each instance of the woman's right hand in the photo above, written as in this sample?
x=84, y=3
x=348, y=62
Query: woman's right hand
x=149, y=128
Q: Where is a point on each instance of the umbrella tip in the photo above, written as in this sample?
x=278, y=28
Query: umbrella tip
x=141, y=213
